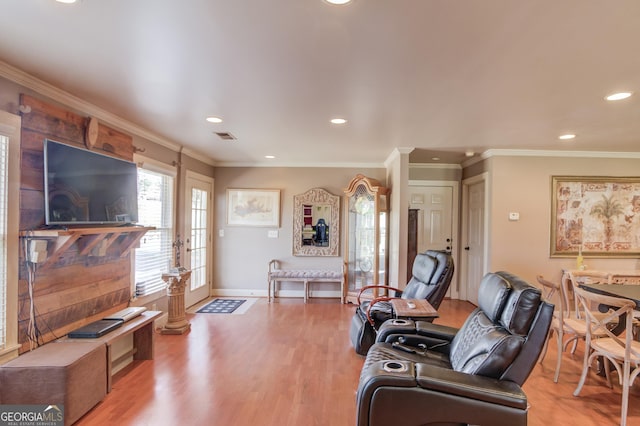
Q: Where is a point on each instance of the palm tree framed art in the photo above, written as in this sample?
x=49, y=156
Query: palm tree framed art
x=596, y=216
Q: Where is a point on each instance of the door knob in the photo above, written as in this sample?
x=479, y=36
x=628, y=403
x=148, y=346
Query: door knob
x=467, y=248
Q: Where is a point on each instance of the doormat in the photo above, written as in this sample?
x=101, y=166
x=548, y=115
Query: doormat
x=221, y=306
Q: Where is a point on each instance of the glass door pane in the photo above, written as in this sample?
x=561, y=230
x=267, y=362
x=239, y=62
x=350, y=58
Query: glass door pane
x=198, y=243
x=198, y=238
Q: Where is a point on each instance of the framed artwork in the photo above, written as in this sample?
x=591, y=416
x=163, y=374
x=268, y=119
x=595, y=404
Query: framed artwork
x=253, y=207
x=599, y=216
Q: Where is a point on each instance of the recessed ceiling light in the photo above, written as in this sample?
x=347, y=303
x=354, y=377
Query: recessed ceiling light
x=338, y=1
x=618, y=96
x=338, y=120
x=567, y=136
x=435, y=158
x=469, y=154
x=214, y=119
x=270, y=157
x=66, y=1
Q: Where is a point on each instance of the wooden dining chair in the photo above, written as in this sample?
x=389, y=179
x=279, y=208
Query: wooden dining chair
x=573, y=311
x=565, y=322
x=621, y=351
x=549, y=291
x=583, y=277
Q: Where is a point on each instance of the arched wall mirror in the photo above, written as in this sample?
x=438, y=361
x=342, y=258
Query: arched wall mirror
x=316, y=223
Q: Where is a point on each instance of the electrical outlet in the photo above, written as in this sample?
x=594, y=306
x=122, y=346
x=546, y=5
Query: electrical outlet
x=37, y=251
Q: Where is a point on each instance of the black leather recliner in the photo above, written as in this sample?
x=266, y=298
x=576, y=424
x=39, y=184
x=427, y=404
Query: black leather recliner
x=432, y=273
x=427, y=374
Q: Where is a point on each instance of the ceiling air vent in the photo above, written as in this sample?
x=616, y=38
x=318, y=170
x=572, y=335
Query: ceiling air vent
x=226, y=136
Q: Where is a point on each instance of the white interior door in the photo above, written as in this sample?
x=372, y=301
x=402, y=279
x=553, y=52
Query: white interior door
x=436, y=218
x=475, y=239
x=199, y=190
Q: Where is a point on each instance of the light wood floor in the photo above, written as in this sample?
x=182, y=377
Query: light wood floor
x=287, y=363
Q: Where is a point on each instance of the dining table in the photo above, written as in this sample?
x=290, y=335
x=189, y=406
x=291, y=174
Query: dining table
x=631, y=292
x=627, y=277
x=625, y=283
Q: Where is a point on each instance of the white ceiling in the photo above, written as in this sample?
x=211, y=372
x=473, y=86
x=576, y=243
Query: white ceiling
x=445, y=76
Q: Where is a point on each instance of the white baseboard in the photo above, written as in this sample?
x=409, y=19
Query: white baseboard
x=225, y=292
x=280, y=293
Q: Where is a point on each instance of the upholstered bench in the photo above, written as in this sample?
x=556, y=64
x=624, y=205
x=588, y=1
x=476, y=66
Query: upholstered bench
x=305, y=276
x=72, y=374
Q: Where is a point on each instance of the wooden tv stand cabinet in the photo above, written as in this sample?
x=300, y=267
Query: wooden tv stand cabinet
x=143, y=340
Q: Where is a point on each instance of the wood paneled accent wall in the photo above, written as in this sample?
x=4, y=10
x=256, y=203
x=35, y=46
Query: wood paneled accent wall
x=76, y=289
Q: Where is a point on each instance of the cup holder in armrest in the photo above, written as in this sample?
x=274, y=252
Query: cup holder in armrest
x=395, y=367
x=397, y=321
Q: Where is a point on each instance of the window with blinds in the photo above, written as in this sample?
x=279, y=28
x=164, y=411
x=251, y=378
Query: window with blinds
x=155, y=208
x=4, y=147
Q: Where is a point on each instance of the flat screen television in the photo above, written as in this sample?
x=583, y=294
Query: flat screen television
x=84, y=187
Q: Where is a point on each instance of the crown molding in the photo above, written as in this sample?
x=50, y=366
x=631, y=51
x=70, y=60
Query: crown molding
x=435, y=166
x=397, y=151
x=52, y=92
x=302, y=165
x=547, y=153
x=197, y=155
x=473, y=160
x=550, y=153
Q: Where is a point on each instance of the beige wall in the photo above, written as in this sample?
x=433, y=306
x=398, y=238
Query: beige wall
x=241, y=257
x=422, y=172
x=474, y=169
x=523, y=185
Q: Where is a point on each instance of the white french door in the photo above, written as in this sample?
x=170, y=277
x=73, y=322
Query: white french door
x=198, y=214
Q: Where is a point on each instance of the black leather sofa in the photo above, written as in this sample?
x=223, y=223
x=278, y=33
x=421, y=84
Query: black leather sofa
x=427, y=374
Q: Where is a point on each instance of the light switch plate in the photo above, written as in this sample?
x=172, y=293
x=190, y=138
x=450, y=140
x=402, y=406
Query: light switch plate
x=514, y=216
x=272, y=233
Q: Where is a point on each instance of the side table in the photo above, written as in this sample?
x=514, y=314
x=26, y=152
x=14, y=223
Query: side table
x=413, y=308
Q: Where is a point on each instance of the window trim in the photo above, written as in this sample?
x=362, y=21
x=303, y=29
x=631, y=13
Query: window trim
x=10, y=125
x=158, y=167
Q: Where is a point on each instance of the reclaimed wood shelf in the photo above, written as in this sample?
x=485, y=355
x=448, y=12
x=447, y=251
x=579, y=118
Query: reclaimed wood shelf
x=88, y=238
